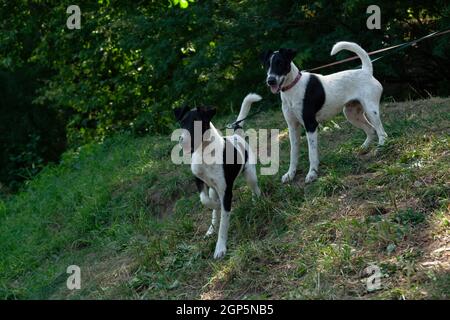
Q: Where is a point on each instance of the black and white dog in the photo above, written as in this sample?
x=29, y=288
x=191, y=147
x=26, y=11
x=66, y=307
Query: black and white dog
x=216, y=163
x=309, y=98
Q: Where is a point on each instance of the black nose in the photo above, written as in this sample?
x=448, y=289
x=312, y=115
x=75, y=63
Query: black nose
x=271, y=81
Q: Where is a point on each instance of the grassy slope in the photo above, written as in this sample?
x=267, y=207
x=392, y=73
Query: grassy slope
x=133, y=222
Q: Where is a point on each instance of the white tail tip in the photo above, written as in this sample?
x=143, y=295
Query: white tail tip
x=253, y=97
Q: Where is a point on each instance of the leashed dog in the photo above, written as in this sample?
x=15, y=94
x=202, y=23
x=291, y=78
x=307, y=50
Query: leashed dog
x=214, y=178
x=309, y=98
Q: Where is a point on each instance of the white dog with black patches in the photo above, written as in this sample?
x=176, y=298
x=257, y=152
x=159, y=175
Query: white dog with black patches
x=309, y=99
x=216, y=163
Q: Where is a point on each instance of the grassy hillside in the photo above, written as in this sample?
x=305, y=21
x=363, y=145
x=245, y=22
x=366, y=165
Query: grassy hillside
x=134, y=224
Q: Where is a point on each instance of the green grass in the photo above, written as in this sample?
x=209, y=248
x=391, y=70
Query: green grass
x=134, y=224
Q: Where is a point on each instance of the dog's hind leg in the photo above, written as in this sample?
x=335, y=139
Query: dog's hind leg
x=354, y=113
x=372, y=112
x=252, y=180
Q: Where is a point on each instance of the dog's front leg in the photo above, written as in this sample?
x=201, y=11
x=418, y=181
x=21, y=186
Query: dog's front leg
x=225, y=200
x=221, y=245
x=294, y=137
x=313, y=153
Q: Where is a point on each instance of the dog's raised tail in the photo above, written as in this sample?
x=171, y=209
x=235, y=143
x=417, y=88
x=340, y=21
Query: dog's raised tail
x=360, y=52
x=245, y=107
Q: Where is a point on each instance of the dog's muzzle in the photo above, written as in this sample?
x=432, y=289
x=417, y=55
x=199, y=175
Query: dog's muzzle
x=272, y=82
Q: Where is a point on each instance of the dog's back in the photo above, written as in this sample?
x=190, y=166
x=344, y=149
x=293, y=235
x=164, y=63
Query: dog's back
x=356, y=84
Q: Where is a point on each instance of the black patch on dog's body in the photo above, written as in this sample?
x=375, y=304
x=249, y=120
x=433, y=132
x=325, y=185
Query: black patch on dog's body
x=231, y=170
x=312, y=102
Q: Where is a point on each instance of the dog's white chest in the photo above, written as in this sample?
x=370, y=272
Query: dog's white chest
x=293, y=99
x=204, y=170
x=197, y=166
x=294, y=108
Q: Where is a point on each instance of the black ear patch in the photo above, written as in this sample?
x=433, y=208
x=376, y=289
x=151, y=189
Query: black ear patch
x=264, y=56
x=180, y=112
x=289, y=54
x=206, y=114
x=210, y=113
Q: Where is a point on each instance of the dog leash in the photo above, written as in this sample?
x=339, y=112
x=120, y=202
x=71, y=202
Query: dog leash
x=236, y=124
x=398, y=47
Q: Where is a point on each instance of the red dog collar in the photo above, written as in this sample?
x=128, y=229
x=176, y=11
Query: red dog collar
x=293, y=83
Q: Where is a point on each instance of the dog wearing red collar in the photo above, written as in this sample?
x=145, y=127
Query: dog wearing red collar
x=309, y=99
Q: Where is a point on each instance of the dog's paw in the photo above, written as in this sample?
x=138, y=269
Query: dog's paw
x=210, y=231
x=220, y=251
x=365, y=147
x=256, y=195
x=288, y=177
x=311, y=176
x=362, y=150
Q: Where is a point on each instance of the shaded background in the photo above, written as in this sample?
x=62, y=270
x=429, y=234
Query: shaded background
x=133, y=61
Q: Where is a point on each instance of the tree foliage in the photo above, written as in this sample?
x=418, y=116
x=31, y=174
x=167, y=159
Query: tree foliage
x=133, y=61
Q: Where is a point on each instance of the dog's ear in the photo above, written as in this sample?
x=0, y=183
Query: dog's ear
x=264, y=56
x=180, y=112
x=288, y=53
x=206, y=114
x=210, y=113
